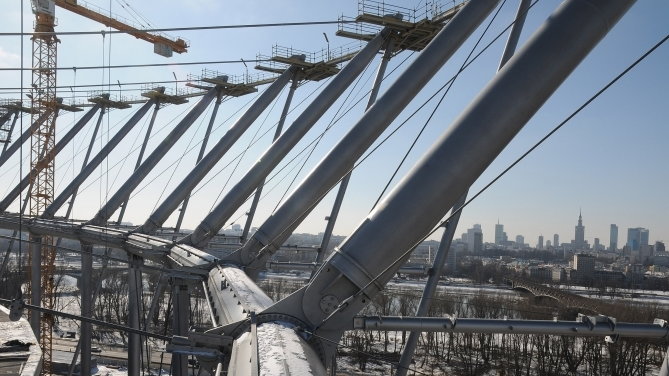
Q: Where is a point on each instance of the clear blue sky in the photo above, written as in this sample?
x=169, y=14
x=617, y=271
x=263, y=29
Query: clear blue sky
x=609, y=161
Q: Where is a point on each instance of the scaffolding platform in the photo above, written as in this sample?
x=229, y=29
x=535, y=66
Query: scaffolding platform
x=414, y=27
x=16, y=105
x=105, y=100
x=313, y=66
x=232, y=86
x=163, y=96
x=67, y=107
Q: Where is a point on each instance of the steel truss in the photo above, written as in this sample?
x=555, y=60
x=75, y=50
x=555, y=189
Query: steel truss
x=249, y=325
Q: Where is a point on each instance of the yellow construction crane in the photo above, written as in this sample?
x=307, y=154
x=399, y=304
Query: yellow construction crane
x=162, y=44
x=42, y=141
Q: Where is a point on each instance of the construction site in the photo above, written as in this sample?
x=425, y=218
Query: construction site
x=154, y=185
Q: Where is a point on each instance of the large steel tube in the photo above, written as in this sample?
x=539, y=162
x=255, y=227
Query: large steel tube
x=215, y=220
x=586, y=327
x=279, y=128
x=46, y=159
x=58, y=202
x=341, y=158
x=140, y=157
x=473, y=142
x=203, y=148
x=370, y=256
x=171, y=203
x=343, y=185
x=70, y=205
x=123, y=193
x=452, y=224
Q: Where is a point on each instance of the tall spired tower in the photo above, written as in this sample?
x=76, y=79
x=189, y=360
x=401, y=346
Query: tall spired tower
x=579, y=237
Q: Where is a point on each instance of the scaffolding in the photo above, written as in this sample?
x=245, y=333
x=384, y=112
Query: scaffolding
x=233, y=86
x=415, y=27
x=314, y=66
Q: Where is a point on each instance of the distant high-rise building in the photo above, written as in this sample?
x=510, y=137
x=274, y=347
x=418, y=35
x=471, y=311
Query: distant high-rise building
x=636, y=238
x=548, y=244
x=556, y=240
x=520, y=240
x=472, y=238
x=452, y=258
x=478, y=242
x=584, y=265
x=579, y=235
x=595, y=246
x=613, y=238
x=500, y=235
x=659, y=247
x=540, y=243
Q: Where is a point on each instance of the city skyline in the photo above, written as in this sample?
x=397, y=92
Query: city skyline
x=594, y=162
x=491, y=233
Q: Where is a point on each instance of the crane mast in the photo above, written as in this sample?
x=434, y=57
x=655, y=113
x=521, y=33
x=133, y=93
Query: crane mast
x=42, y=142
x=41, y=190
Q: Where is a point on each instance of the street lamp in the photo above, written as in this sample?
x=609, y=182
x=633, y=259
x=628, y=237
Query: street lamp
x=328, y=42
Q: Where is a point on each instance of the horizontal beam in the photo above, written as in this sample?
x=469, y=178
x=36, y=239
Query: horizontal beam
x=584, y=326
x=181, y=258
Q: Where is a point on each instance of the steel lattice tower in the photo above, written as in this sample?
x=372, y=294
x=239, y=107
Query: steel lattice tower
x=42, y=142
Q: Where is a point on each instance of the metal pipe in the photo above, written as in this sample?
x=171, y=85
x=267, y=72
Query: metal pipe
x=380, y=115
x=180, y=323
x=203, y=148
x=147, y=136
x=155, y=300
x=134, y=304
x=514, y=34
x=58, y=202
x=452, y=224
x=36, y=282
x=369, y=257
x=588, y=327
x=86, y=289
x=277, y=133
x=24, y=136
x=123, y=193
x=171, y=203
x=93, y=293
x=215, y=220
x=46, y=159
x=343, y=185
x=11, y=130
